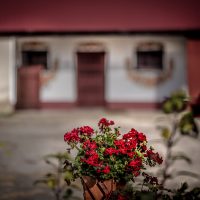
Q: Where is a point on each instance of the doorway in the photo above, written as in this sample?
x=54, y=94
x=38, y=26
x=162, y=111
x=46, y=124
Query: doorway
x=91, y=78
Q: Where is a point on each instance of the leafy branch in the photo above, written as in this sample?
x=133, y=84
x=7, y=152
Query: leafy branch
x=182, y=123
x=55, y=180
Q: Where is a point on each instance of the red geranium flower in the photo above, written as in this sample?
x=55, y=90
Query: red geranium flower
x=89, y=144
x=135, y=163
x=120, y=143
x=72, y=136
x=154, y=156
x=110, y=151
x=123, y=151
x=141, y=137
x=86, y=130
x=92, y=158
x=105, y=122
x=131, y=144
x=131, y=154
x=132, y=134
x=144, y=148
x=106, y=170
x=136, y=173
x=91, y=153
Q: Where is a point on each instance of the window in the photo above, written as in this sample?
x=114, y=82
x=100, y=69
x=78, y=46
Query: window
x=35, y=53
x=150, y=56
x=31, y=57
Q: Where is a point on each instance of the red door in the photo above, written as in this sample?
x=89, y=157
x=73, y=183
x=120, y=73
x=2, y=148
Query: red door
x=28, y=85
x=91, y=78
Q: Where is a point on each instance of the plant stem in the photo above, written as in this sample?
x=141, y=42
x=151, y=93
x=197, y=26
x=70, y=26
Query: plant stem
x=58, y=190
x=142, y=186
x=77, y=148
x=169, y=146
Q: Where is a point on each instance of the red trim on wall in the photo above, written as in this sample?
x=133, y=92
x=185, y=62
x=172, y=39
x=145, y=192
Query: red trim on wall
x=108, y=105
x=95, y=15
x=135, y=105
x=193, y=53
x=57, y=105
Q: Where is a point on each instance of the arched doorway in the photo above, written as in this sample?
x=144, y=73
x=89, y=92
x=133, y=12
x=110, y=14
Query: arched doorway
x=91, y=61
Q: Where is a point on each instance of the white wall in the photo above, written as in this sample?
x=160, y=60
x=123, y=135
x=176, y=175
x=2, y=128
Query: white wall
x=7, y=73
x=119, y=87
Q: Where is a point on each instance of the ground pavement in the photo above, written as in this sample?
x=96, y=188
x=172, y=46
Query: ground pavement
x=27, y=136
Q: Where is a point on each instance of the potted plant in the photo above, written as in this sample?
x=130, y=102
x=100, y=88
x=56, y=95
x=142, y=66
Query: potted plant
x=106, y=159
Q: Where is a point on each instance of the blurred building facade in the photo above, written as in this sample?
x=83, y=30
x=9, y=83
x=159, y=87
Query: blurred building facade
x=117, y=54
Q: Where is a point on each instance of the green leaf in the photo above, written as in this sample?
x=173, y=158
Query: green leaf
x=166, y=133
x=68, y=175
x=177, y=102
x=188, y=125
x=186, y=128
x=139, y=153
x=167, y=107
x=51, y=183
x=179, y=94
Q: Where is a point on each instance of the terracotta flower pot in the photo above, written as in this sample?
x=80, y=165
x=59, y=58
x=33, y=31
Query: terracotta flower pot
x=97, y=190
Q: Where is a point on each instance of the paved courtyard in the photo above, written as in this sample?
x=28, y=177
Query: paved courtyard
x=27, y=136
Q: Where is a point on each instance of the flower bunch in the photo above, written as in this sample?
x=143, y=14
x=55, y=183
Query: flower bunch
x=107, y=154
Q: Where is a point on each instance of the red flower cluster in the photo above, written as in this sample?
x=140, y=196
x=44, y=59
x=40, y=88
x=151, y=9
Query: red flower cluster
x=136, y=166
x=91, y=158
x=150, y=179
x=154, y=156
x=72, y=136
x=105, y=123
x=110, y=151
x=88, y=144
x=106, y=170
x=103, y=169
x=128, y=144
x=86, y=130
x=77, y=135
x=134, y=134
x=103, y=155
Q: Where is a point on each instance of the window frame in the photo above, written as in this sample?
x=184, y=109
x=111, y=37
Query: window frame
x=148, y=50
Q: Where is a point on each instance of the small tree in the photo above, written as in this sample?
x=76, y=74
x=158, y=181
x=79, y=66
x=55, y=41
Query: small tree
x=182, y=123
x=60, y=174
